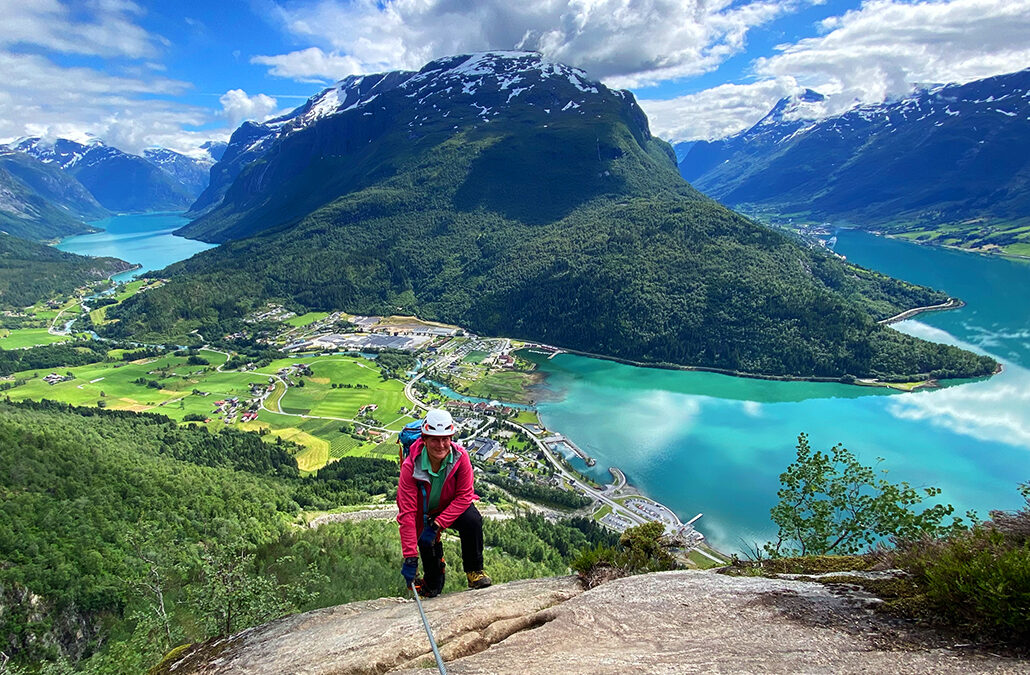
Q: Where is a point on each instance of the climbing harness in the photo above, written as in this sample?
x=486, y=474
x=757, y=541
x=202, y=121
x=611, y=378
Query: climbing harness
x=432, y=641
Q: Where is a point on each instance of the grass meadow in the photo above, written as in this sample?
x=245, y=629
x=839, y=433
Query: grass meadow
x=115, y=384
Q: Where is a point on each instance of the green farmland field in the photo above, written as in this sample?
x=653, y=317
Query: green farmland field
x=115, y=384
x=19, y=338
x=305, y=319
x=318, y=397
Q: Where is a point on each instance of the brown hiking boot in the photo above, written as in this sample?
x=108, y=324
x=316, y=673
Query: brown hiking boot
x=478, y=579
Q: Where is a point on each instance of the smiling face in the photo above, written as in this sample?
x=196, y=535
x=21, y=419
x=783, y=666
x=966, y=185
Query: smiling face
x=437, y=447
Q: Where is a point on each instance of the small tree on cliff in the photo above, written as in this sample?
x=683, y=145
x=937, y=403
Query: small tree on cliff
x=830, y=503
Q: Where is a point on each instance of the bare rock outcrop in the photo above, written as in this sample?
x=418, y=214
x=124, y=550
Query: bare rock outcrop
x=672, y=622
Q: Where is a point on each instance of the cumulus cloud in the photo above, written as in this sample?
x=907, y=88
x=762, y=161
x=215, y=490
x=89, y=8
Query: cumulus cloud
x=625, y=42
x=109, y=30
x=238, y=106
x=310, y=65
x=40, y=98
x=883, y=48
x=717, y=112
x=867, y=55
x=131, y=109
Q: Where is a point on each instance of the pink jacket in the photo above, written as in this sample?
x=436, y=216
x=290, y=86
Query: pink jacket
x=456, y=496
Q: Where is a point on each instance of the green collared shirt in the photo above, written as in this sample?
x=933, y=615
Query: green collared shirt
x=438, y=477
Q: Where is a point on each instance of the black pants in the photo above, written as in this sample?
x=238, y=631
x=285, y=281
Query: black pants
x=470, y=529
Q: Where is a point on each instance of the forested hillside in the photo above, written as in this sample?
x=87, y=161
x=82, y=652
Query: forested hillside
x=30, y=271
x=39, y=201
x=123, y=534
x=550, y=215
x=947, y=165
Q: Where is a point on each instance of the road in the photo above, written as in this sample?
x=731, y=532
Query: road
x=596, y=495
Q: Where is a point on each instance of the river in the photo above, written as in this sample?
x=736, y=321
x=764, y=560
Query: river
x=145, y=239
x=701, y=442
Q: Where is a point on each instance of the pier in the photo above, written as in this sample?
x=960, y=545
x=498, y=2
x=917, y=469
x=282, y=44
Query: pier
x=554, y=443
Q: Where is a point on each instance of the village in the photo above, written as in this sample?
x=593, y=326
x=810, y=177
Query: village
x=347, y=384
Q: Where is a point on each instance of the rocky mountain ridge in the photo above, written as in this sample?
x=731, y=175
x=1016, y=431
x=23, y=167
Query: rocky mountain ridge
x=944, y=155
x=445, y=95
x=120, y=181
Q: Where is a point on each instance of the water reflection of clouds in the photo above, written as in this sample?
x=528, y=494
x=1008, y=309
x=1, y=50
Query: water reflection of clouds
x=751, y=408
x=997, y=409
x=653, y=417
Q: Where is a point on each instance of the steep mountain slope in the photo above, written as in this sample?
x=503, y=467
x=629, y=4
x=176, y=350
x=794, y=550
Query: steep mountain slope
x=30, y=271
x=38, y=201
x=119, y=181
x=517, y=197
x=953, y=157
x=191, y=172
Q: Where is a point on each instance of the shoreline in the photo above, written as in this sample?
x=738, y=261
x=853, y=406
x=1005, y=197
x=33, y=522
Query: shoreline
x=989, y=254
x=952, y=303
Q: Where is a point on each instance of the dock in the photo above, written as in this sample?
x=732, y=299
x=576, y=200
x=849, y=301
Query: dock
x=553, y=442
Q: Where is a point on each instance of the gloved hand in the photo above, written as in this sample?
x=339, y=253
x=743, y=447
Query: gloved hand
x=408, y=571
x=428, y=536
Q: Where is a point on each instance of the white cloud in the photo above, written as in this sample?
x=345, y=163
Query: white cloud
x=866, y=55
x=310, y=65
x=717, y=112
x=625, y=42
x=40, y=98
x=131, y=110
x=109, y=31
x=238, y=106
x=883, y=48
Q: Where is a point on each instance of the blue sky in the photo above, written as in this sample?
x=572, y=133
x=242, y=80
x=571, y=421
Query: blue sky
x=180, y=73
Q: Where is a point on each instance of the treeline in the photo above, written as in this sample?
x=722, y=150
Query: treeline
x=123, y=534
x=58, y=355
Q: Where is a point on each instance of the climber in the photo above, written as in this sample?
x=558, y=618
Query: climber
x=434, y=493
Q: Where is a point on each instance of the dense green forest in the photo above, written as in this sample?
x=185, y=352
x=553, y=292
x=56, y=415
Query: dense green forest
x=124, y=534
x=62, y=355
x=574, y=230
x=30, y=271
x=41, y=201
x=658, y=280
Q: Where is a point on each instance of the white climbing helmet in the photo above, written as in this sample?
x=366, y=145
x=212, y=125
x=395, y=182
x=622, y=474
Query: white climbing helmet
x=438, y=423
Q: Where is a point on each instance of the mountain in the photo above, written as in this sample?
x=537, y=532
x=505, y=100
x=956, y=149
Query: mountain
x=949, y=164
x=215, y=149
x=517, y=197
x=119, y=181
x=30, y=271
x=39, y=201
x=191, y=172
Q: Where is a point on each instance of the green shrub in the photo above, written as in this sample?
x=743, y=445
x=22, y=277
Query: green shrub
x=977, y=581
x=641, y=549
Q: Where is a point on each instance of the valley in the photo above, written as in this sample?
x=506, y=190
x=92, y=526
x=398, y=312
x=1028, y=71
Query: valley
x=771, y=343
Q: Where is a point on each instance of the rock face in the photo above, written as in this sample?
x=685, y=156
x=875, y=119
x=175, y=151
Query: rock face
x=671, y=622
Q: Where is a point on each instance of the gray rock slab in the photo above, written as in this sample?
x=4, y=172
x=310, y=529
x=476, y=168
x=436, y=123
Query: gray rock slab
x=671, y=622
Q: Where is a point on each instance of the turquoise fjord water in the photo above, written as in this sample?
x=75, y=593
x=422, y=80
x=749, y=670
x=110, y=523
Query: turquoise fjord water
x=701, y=442
x=145, y=239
